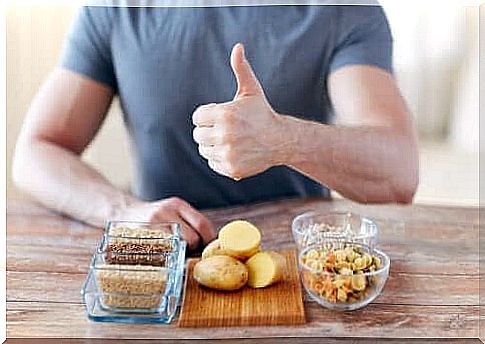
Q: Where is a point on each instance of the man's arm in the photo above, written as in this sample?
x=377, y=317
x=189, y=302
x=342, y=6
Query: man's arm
x=62, y=120
x=371, y=156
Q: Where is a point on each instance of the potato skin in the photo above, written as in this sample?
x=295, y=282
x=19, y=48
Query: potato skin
x=280, y=262
x=215, y=249
x=221, y=273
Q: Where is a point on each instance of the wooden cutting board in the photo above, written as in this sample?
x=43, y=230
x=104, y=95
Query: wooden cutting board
x=279, y=304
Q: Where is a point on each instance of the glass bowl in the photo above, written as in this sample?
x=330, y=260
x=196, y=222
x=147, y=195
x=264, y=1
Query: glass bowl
x=342, y=275
x=315, y=227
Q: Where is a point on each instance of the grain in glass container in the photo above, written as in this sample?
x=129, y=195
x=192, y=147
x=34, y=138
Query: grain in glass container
x=131, y=286
x=132, y=243
x=134, y=293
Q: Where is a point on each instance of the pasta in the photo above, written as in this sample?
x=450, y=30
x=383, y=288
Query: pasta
x=339, y=275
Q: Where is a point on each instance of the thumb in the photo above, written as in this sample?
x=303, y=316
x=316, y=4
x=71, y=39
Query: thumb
x=247, y=83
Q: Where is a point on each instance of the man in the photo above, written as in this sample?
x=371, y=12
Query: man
x=215, y=122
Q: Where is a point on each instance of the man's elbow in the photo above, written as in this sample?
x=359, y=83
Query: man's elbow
x=405, y=189
x=398, y=190
x=18, y=168
x=406, y=194
x=21, y=170
x=405, y=177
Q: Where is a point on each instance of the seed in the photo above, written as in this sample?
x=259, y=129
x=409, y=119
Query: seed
x=139, y=245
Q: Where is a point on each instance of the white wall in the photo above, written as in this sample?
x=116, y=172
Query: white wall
x=34, y=36
x=436, y=63
x=464, y=128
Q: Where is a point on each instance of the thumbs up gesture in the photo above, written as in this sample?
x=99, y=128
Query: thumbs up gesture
x=242, y=137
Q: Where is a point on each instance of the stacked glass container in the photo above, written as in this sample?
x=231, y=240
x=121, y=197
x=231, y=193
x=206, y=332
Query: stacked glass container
x=136, y=274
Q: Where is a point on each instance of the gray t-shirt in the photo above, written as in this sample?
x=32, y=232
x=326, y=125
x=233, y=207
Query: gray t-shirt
x=165, y=62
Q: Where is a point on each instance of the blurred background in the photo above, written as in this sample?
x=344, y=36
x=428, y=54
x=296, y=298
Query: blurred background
x=436, y=65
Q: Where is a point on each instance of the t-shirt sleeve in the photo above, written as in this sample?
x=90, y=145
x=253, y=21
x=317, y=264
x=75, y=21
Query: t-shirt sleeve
x=368, y=41
x=87, y=48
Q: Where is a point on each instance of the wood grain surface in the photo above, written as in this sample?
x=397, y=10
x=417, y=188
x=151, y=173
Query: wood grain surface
x=289, y=340
x=279, y=304
x=432, y=289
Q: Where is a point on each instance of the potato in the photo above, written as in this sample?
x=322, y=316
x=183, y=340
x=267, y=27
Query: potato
x=265, y=268
x=215, y=249
x=243, y=256
x=221, y=273
x=240, y=239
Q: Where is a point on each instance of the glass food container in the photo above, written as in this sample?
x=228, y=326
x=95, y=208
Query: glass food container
x=343, y=275
x=314, y=227
x=136, y=275
x=139, y=242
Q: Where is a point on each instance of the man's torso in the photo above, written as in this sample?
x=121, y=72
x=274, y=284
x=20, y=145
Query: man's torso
x=168, y=61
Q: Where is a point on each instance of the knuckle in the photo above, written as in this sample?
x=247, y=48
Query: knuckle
x=197, y=224
x=174, y=201
x=162, y=206
x=198, y=136
x=152, y=218
x=202, y=108
x=201, y=223
x=193, y=239
x=195, y=134
x=199, y=113
x=196, y=116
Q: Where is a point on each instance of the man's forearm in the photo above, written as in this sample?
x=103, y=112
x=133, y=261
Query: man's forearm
x=59, y=179
x=366, y=164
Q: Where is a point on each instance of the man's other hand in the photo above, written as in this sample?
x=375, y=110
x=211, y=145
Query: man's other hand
x=196, y=229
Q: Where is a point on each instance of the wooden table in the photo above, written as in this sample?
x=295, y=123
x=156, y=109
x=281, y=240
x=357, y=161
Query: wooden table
x=432, y=290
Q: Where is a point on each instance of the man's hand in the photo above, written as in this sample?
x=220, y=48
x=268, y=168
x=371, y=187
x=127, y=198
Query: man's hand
x=195, y=227
x=239, y=138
